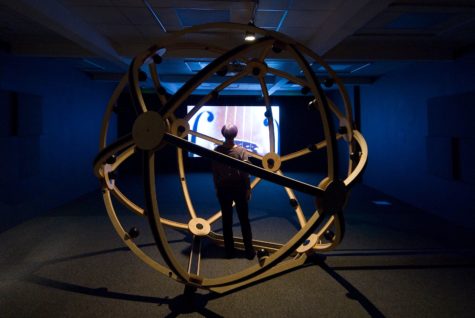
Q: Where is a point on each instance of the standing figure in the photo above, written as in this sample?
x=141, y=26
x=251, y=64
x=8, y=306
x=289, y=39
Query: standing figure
x=233, y=185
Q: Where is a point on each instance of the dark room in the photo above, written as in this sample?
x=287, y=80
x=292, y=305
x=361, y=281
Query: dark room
x=237, y=158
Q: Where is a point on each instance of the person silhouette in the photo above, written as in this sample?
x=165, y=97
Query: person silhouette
x=233, y=185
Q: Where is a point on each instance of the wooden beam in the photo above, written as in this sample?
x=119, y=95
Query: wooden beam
x=382, y=48
x=349, y=17
x=56, y=17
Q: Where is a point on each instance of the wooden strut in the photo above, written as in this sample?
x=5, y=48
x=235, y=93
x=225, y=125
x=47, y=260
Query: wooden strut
x=230, y=280
x=125, y=147
x=241, y=165
x=173, y=265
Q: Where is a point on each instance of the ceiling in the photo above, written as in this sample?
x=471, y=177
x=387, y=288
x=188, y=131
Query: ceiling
x=361, y=39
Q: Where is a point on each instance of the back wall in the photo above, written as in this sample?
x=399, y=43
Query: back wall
x=409, y=120
x=51, y=115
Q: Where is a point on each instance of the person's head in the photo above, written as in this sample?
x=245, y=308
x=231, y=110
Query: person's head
x=229, y=131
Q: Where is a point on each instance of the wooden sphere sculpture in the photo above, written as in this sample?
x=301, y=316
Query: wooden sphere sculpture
x=152, y=130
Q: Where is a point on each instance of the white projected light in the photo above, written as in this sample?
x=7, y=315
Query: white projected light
x=251, y=122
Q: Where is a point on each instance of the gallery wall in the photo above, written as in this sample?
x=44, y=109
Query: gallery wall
x=51, y=136
x=50, y=117
x=418, y=124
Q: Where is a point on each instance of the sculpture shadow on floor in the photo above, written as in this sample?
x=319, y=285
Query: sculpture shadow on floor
x=191, y=302
x=352, y=291
x=185, y=303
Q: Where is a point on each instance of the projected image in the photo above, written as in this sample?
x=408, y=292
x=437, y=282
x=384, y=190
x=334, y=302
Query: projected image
x=252, y=124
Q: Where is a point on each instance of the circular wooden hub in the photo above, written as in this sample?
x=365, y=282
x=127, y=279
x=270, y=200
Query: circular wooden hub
x=148, y=130
x=199, y=227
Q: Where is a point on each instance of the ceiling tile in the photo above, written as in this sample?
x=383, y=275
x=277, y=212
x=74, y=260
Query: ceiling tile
x=190, y=17
x=240, y=16
x=268, y=18
x=121, y=33
x=101, y=15
x=9, y=16
x=299, y=34
x=26, y=28
x=274, y=4
x=169, y=18
x=315, y=4
x=86, y=2
x=128, y=3
x=163, y=3
x=210, y=4
x=300, y=19
x=418, y=20
x=151, y=33
x=466, y=36
x=130, y=49
x=138, y=16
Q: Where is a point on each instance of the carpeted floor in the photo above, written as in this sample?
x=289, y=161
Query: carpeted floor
x=395, y=261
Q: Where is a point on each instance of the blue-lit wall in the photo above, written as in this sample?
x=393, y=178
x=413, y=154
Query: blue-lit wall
x=49, y=143
x=410, y=154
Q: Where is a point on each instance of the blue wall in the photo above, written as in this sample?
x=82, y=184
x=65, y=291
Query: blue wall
x=47, y=156
x=395, y=122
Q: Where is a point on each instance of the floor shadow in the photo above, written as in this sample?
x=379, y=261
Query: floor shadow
x=352, y=291
x=97, y=292
x=195, y=302
x=192, y=302
x=186, y=303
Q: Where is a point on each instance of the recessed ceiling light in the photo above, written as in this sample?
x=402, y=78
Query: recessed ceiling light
x=250, y=36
